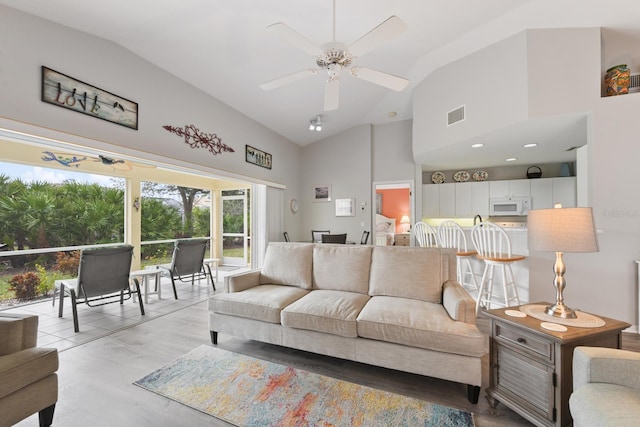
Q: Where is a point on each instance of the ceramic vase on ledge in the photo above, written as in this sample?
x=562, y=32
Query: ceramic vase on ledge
x=617, y=80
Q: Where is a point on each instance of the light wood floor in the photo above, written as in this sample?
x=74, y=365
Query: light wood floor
x=96, y=377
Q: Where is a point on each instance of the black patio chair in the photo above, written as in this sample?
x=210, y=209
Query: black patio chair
x=365, y=237
x=334, y=238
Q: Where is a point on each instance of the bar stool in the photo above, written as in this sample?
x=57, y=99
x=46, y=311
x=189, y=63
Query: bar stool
x=493, y=246
x=425, y=235
x=451, y=235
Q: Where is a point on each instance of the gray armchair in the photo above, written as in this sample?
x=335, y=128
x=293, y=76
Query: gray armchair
x=606, y=387
x=187, y=263
x=28, y=379
x=103, y=278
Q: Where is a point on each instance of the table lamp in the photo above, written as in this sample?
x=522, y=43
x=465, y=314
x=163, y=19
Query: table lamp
x=561, y=230
x=406, y=222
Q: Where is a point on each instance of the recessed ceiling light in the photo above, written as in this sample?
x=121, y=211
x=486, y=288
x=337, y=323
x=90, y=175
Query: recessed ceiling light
x=478, y=145
x=533, y=144
x=392, y=114
x=511, y=159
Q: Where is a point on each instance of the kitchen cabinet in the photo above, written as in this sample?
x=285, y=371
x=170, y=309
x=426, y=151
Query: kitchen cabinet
x=565, y=191
x=541, y=193
x=546, y=192
x=439, y=200
x=510, y=188
x=472, y=198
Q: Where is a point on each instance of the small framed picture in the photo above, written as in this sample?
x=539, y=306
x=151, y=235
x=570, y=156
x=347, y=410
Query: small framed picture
x=321, y=193
x=345, y=207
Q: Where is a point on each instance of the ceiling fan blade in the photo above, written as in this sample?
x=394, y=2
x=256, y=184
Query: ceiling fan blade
x=332, y=94
x=294, y=38
x=281, y=81
x=378, y=77
x=387, y=30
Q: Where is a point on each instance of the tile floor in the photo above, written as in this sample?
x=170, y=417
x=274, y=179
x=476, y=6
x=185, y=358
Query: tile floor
x=97, y=322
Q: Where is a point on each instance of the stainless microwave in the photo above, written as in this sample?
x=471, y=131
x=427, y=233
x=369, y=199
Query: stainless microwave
x=512, y=206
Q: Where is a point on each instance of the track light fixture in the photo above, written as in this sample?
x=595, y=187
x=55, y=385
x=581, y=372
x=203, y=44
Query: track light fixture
x=316, y=124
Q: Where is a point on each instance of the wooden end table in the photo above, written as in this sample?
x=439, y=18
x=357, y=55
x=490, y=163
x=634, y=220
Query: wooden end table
x=531, y=367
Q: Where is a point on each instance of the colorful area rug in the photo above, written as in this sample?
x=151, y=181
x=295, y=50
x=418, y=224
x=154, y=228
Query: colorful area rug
x=245, y=391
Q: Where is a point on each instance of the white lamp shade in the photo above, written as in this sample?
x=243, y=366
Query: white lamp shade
x=562, y=230
x=405, y=220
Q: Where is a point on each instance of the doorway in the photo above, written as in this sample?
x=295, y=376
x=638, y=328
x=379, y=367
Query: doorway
x=393, y=213
x=235, y=227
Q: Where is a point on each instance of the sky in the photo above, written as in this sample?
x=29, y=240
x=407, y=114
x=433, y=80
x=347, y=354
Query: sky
x=56, y=176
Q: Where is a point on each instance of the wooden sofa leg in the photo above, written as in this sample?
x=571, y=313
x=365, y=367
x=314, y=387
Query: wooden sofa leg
x=473, y=393
x=214, y=337
x=46, y=416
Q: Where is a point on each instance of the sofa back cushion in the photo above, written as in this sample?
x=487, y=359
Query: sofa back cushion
x=341, y=267
x=408, y=272
x=288, y=264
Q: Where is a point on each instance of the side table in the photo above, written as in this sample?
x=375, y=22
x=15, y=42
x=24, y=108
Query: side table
x=144, y=275
x=212, y=262
x=531, y=367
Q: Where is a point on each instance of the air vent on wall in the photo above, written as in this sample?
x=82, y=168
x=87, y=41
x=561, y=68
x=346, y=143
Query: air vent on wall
x=634, y=83
x=455, y=116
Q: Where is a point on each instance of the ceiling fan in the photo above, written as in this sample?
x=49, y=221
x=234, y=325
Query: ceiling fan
x=334, y=57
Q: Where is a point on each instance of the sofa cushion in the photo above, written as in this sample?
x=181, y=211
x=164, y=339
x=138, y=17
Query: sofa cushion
x=342, y=268
x=332, y=312
x=288, y=264
x=23, y=368
x=408, y=272
x=419, y=324
x=599, y=404
x=262, y=302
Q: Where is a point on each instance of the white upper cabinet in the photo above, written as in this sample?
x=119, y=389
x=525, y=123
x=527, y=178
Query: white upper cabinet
x=431, y=200
x=510, y=188
x=546, y=192
x=447, y=200
x=472, y=198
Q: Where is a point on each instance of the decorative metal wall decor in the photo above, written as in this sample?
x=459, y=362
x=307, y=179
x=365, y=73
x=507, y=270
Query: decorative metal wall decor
x=74, y=160
x=195, y=139
x=257, y=157
x=67, y=92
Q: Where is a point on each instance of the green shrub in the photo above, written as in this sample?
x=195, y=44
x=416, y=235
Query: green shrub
x=47, y=279
x=25, y=286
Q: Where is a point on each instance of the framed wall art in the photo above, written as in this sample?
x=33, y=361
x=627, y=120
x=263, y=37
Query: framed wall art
x=67, y=92
x=346, y=207
x=257, y=157
x=321, y=193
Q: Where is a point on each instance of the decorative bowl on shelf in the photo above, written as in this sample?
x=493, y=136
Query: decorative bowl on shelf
x=461, y=176
x=437, y=178
x=480, y=176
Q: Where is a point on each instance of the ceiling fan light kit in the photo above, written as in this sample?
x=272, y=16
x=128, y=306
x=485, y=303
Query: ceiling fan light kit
x=335, y=57
x=316, y=124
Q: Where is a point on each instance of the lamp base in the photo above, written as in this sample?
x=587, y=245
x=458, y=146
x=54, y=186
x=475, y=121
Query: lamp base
x=561, y=310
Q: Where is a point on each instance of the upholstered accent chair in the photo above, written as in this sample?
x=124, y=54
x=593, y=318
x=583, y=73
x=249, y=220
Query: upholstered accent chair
x=28, y=379
x=606, y=387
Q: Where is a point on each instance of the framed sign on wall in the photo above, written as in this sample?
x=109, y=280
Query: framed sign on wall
x=67, y=92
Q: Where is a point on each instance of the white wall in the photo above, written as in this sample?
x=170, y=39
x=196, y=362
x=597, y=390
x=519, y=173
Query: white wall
x=344, y=162
x=27, y=43
x=604, y=282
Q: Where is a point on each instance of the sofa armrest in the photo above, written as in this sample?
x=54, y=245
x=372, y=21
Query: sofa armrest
x=18, y=370
x=458, y=302
x=242, y=281
x=17, y=332
x=606, y=365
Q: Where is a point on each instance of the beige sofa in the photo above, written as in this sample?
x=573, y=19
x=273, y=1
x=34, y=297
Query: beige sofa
x=396, y=307
x=28, y=380
x=606, y=387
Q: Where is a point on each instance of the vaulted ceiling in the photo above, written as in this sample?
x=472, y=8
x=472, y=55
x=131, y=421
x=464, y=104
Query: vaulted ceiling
x=223, y=47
